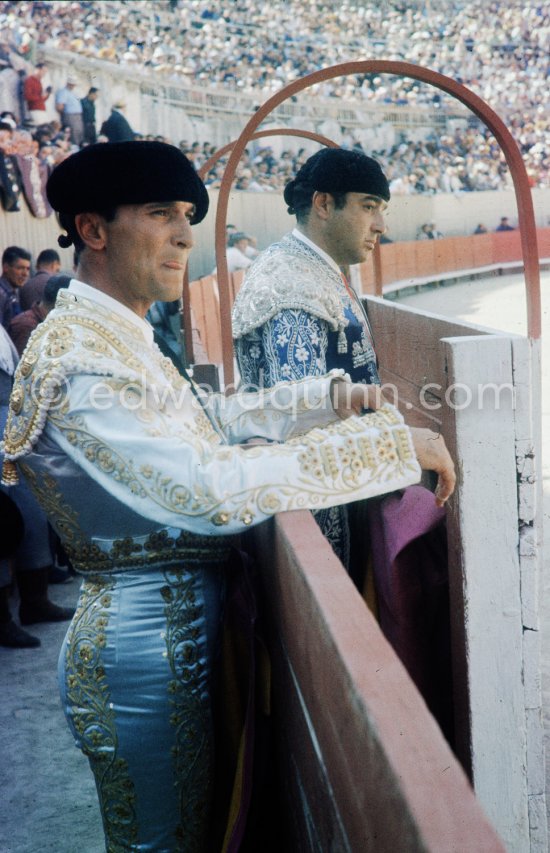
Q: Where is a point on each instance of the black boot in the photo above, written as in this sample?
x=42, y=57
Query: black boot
x=35, y=605
x=58, y=575
x=11, y=635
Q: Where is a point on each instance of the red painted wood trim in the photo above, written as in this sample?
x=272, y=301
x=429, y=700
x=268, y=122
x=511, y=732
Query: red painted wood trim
x=388, y=767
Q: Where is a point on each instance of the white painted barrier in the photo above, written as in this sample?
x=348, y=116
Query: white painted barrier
x=495, y=553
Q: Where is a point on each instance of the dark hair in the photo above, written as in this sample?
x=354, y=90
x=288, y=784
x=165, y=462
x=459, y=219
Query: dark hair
x=53, y=285
x=92, y=90
x=302, y=198
x=72, y=237
x=15, y=253
x=47, y=256
x=236, y=237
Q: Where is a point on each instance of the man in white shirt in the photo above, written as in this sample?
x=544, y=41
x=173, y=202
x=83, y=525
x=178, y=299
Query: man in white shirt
x=237, y=248
x=69, y=107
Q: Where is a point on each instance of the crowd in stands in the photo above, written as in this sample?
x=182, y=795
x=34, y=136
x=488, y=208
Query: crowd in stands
x=498, y=50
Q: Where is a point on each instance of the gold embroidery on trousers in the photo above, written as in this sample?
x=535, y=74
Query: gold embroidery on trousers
x=192, y=752
x=93, y=717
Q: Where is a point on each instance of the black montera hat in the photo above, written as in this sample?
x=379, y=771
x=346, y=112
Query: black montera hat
x=108, y=174
x=339, y=170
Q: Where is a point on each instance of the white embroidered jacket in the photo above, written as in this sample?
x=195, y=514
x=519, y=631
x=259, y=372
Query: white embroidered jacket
x=132, y=470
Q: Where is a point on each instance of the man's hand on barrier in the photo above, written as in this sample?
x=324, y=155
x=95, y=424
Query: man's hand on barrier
x=432, y=454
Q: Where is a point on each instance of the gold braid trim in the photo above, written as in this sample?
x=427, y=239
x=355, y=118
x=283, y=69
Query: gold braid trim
x=71, y=340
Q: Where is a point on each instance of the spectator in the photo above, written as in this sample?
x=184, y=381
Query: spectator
x=12, y=636
x=8, y=118
x=16, y=266
x=47, y=264
x=237, y=246
x=13, y=528
x=117, y=128
x=30, y=555
x=504, y=225
x=481, y=229
x=462, y=160
x=24, y=324
x=69, y=108
x=88, y=115
x=429, y=232
x=35, y=96
x=252, y=250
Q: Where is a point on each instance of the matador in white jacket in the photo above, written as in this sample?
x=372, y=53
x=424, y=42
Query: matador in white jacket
x=145, y=478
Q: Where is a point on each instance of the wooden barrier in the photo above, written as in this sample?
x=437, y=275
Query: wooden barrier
x=506, y=246
x=365, y=768
x=543, y=237
x=205, y=307
x=405, y=264
x=494, y=524
x=482, y=251
x=483, y=389
x=495, y=532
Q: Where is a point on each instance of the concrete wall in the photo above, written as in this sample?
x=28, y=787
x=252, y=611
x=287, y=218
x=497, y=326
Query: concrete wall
x=264, y=215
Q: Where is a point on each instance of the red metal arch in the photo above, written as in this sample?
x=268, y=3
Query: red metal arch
x=503, y=136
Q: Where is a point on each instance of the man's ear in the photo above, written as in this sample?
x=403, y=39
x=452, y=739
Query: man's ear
x=321, y=204
x=91, y=228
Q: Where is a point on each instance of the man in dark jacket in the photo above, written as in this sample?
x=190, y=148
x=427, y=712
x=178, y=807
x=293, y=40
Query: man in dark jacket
x=48, y=263
x=16, y=266
x=23, y=325
x=88, y=115
x=117, y=128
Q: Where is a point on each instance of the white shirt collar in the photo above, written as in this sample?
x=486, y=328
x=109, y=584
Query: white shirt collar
x=79, y=288
x=315, y=247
